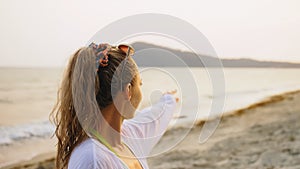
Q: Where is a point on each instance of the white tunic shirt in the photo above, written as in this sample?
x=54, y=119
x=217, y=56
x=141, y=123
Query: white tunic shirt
x=140, y=134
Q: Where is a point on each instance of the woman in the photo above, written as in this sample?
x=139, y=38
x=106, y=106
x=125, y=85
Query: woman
x=95, y=112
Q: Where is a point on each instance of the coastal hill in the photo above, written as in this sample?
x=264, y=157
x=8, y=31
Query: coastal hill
x=158, y=56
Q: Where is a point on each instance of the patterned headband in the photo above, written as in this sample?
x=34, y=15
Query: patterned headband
x=101, y=51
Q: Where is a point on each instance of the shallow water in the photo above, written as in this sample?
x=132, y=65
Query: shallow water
x=28, y=94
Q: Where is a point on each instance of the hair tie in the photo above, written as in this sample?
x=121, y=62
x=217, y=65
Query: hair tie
x=101, y=51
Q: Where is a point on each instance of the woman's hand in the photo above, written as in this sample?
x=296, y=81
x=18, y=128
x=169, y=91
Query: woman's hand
x=173, y=92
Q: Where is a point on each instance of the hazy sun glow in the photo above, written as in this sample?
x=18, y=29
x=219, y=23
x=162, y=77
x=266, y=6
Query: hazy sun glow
x=46, y=33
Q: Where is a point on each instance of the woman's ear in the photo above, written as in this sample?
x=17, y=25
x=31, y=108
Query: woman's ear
x=128, y=91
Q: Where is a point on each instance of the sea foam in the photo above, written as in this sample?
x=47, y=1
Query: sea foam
x=11, y=134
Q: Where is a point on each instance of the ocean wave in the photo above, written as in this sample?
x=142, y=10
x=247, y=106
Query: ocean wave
x=11, y=134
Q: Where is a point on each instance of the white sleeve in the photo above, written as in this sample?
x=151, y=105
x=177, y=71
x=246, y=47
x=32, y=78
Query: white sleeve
x=147, y=127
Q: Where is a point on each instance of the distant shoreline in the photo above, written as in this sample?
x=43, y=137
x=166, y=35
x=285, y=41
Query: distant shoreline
x=151, y=55
x=268, y=100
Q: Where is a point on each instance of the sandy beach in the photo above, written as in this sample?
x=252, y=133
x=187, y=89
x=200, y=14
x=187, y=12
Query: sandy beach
x=263, y=135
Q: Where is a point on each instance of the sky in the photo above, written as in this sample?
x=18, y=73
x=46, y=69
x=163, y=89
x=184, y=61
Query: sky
x=44, y=33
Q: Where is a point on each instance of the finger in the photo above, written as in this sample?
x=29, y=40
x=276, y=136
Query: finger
x=172, y=92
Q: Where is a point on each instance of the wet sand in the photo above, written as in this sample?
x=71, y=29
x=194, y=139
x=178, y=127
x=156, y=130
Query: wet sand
x=263, y=135
x=35, y=153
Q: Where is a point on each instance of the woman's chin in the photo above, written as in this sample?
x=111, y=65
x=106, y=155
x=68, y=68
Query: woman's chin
x=129, y=116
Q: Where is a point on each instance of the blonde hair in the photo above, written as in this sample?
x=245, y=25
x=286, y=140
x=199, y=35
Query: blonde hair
x=83, y=89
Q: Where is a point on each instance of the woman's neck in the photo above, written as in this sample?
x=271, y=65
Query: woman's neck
x=110, y=127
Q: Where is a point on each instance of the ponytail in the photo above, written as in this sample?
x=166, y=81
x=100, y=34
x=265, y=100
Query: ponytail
x=73, y=112
x=84, y=91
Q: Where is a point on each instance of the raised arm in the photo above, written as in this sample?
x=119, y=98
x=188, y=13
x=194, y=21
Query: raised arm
x=146, y=128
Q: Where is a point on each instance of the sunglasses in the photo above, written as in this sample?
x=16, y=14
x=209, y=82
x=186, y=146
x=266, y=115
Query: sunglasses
x=126, y=48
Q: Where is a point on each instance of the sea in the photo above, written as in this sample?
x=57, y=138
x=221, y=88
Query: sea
x=27, y=95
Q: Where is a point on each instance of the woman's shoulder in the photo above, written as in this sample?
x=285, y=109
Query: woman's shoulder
x=87, y=148
x=90, y=154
